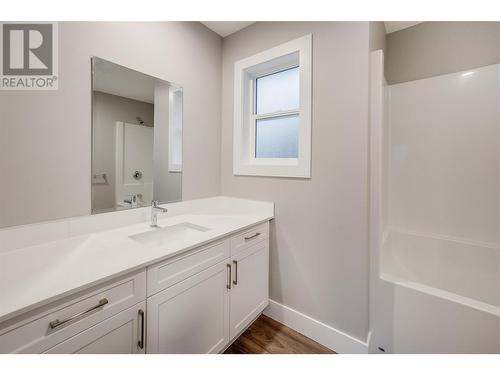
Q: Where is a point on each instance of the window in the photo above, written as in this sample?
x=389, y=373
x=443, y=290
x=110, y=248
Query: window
x=175, y=130
x=277, y=114
x=272, y=123
x=277, y=137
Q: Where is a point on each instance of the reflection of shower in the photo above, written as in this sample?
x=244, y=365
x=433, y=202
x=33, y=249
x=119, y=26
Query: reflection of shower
x=140, y=120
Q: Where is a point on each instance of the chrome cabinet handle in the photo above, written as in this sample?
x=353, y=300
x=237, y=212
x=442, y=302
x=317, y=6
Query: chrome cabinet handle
x=228, y=284
x=255, y=235
x=235, y=281
x=140, y=343
x=57, y=322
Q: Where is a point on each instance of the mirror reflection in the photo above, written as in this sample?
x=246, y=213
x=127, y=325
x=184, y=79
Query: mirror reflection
x=136, y=138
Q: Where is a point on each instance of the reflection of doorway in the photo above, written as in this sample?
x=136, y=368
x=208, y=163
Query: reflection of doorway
x=134, y=153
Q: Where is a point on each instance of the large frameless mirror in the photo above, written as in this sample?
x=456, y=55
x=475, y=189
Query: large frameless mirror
x=136, y=138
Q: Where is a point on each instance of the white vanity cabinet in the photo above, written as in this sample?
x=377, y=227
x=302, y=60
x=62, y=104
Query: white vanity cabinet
x=205, y=311
x=250, y=285
x=195, y=302
x=192, y=316
x=96, y=320
x=123, y=333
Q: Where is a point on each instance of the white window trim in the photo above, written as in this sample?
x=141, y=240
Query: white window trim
x=172, y=127
x=245, y=71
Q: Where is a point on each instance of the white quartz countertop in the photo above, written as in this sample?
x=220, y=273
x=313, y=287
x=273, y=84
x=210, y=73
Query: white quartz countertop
x=35, y=275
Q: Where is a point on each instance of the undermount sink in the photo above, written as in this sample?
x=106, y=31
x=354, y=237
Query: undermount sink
x=163, y=235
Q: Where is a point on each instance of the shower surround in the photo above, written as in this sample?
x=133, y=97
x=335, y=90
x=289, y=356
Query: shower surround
x=435, y=230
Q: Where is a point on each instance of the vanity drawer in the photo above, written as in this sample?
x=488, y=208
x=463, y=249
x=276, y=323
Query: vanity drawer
x=249, y=237
x=39, y=330
x=170, y=272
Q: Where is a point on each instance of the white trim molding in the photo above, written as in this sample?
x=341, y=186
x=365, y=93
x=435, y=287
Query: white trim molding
x=174, y=128
x=322, y=333
x=295, y=53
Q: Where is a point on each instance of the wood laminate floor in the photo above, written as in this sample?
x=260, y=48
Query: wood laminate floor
x=267, y=336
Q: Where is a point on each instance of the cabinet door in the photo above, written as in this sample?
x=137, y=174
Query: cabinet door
x=250, y=286
x=191, y=316
x=120, y=334
x=34, y=332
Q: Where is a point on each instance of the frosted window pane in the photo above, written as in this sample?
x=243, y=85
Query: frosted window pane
x=277, y=137
x=278, y=91
x=176, y=144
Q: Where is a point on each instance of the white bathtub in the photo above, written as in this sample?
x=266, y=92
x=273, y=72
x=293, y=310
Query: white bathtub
x=445, y=293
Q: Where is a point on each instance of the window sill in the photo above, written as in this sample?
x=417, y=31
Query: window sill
x=289, y=170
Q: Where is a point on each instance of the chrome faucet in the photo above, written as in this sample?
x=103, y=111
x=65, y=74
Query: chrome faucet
x=154, y=213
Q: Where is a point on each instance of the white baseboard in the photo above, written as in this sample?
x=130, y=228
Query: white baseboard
x=326, y=335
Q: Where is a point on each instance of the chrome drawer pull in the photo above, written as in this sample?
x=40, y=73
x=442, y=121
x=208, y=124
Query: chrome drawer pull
x=228, y=284
x=235, y=281
x=57, y=322
x=255, y=235
x=140, y=343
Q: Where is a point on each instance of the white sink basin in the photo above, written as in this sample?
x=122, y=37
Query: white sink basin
x=163, y=235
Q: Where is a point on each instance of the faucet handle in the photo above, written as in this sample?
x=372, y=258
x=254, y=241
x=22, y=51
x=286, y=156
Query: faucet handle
x=154, y=203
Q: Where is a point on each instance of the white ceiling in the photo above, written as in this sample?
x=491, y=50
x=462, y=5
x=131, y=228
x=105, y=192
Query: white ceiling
x=225, y=28
x=391, y=26
x=118, y=80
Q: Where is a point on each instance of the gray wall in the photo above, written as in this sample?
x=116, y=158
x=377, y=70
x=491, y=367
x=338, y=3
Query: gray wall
x=108, y=109
x=45, y=137
x=433, y=48
x=319, y=256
